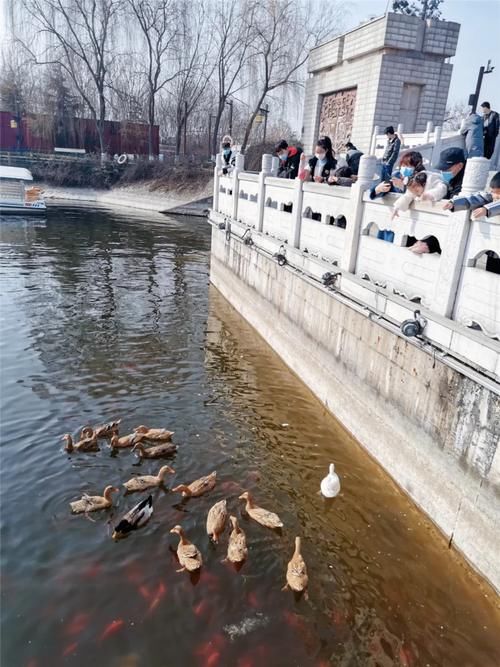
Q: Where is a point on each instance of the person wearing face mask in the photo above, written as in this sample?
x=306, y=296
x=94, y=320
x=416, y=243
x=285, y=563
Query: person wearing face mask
x=289, y=157
x=452, y=167
x=228, y=156
x=410, y=163
x=321, y=165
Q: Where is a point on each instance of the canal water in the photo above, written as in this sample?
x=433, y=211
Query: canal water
x=110, y=315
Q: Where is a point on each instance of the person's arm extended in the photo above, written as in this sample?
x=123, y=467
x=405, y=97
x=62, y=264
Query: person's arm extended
x=492, y=209
x=403, y=203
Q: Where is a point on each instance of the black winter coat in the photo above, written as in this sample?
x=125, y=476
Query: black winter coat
x=328, y=168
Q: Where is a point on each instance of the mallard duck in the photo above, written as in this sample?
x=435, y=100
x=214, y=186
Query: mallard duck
x=237, y=550
x=147, y=481
x=85, y=445
x=296, y=572
x=138, y=516
x=216, y=520
x=129, y=440
x=188, y=554
x=155, y=452
x=93, y=503
x=154, y=433
x=330, y=485
x=198, y=487
x=259, y=514
x=103, y=430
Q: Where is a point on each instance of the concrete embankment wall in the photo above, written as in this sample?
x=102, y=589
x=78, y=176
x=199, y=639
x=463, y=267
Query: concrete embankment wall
x=433, y=429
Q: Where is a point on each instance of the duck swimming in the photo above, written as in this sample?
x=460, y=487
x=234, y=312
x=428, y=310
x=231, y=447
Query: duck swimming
x=125, y=440
x=296, y=572
x=330, y=485
x=198, y=487
x=237, y=550
x=155, y=452
x=147, y=481
x=135, y=518
x=103, y=430
x=188, y=554
x=216, y=520
x=94, y=503
x=259, y=514
x=160, y=434
x=85, y=445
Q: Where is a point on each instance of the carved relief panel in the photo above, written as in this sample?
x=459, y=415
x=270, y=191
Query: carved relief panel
x=336, y=116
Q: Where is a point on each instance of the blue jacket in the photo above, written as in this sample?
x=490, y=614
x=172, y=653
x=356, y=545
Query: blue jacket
x=472, y=128
x=477, y=200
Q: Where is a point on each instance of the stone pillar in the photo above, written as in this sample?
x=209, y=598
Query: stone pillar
x=297, y=212
x=428, y=132
x=437, y=146
x=239, y=166
x=217, y=169
x=453, y=247
x=367, y=166
x=373, y=143
x=275, y=166
x=267, y=162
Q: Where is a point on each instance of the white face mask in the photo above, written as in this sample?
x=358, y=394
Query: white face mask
x=320, y=156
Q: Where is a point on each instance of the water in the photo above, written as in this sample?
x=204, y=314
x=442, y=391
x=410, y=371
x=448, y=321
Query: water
x=108, y=315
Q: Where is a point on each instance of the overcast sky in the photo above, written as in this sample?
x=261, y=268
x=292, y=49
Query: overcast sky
x=479, y=41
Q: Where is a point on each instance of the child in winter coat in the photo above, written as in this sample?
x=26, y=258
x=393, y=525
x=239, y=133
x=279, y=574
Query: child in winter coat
x=482, y=204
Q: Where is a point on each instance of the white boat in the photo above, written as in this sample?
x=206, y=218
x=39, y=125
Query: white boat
x=17, y=192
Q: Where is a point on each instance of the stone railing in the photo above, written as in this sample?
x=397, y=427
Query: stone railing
x=338, y=229
x=429, y=143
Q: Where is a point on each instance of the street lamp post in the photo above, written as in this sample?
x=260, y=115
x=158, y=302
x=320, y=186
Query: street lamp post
x=474, y=98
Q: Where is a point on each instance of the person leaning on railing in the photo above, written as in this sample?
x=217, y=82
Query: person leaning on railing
x=410, y=163
x=289, y=159
x=482, y=204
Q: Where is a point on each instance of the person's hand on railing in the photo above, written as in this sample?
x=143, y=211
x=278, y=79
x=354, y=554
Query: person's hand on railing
x=448, y=206
x=426, y=197
x=478, y=213
x=394, y=214
x=319, y=179
x=382, y=187
x=333, y=179
x=398, y=183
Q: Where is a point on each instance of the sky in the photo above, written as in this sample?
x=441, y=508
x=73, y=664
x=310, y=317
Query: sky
x=478, y=42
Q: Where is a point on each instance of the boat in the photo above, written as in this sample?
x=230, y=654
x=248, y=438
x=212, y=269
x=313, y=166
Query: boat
x=17, y=192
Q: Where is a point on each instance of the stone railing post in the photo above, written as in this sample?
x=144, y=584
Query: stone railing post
x=436, y=150
x=275, y=166
x=217, y=170
x=267, y=162
x=373, y=142
x=428, y=132
x=297, y=212
x=453, y=247
x=367, y=166
x=239, y=166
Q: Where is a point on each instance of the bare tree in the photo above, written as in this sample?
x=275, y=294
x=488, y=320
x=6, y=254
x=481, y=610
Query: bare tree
x=231, y=34
x=157, y=20
x=277, y=60
x=78, y=40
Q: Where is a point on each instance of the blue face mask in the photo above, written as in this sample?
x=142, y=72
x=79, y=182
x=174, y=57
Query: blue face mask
x=406, y=172
x=447, y=176
x=227, y=151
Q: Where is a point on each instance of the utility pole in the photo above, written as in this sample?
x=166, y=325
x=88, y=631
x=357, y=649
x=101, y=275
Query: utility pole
x=474, y=98
x=266, y=111
x=230, y=105
x=185, y=124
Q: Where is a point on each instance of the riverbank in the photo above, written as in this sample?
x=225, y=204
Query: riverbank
x=186, y=201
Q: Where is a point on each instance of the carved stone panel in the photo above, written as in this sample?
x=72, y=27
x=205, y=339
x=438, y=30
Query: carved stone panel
x=336, y=115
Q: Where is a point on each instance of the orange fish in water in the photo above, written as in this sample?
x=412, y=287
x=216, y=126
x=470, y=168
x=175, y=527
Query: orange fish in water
x=405, y=657
x=160, y=593
x=252, y=600
x=111, y=628
x=77, y=624
x=245, y=661
x=92, y=571
x=70, y=649
x=201, y=608
x=144, y=592
x=32, y=663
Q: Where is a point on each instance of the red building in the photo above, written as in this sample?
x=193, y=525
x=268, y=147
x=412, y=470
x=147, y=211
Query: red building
x=38, y=132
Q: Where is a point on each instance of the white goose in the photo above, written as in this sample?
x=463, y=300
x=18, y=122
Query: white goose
x=330, y=485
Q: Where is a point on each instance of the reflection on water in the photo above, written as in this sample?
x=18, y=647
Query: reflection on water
x=108, y=315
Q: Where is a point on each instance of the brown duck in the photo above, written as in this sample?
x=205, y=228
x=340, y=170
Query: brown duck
x=198, y=487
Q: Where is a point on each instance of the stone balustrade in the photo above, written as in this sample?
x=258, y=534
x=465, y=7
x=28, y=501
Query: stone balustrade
x=322, y=228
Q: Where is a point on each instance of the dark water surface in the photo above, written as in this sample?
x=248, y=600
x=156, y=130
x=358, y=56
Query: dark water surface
x=108, y=315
